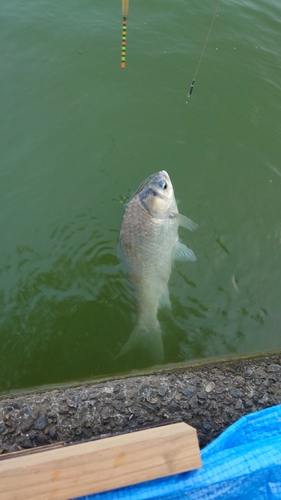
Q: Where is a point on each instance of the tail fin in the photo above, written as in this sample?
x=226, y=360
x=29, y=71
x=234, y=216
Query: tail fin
x=145, y=340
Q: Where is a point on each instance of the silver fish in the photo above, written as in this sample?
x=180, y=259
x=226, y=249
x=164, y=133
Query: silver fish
x=148, y=243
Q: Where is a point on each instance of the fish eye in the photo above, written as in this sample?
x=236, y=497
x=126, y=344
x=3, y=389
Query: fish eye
x=162, y=184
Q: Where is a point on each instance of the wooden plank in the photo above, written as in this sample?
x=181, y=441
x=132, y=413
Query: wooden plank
x=95, y=466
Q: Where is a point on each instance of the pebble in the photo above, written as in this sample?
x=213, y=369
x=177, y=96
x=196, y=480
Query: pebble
x=105, y=414
x=235, y=393
x=40, y=423
x=27, y=424
x=162, y=390
x=274, y=368
x=94, y=395
x=41, y=439
x=201, y=395
x=52, y=431
x=24, y=442
x=210, y=387
x=189, y=392
x=63, y=410
x=15, y=405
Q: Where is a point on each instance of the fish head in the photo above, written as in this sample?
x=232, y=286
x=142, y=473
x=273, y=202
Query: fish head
x=157, y=194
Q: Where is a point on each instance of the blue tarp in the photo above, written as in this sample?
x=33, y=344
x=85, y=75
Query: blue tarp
x=244, y=462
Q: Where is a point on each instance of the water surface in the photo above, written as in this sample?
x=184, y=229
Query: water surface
x=78, y=135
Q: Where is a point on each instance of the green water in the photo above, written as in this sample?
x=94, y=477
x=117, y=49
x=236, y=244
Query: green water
x=78, y=135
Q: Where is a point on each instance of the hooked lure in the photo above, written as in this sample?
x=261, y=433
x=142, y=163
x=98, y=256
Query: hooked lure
x=125, y=8
x=203, y=50
x=191, y=88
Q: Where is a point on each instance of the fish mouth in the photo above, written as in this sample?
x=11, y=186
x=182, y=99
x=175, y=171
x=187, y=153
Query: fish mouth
x=156, y=187
x=163, y=172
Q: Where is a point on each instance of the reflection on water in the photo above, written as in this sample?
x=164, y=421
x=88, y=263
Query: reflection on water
x=78, y=135
x=51, y=319
x=68, y=313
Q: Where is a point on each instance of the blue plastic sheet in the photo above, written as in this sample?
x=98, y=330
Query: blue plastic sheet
x=244, y=462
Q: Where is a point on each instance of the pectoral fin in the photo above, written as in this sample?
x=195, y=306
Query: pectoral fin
x=184, y=221
x=181, y=252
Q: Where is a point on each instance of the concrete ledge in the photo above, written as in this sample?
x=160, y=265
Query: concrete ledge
x=209, y=397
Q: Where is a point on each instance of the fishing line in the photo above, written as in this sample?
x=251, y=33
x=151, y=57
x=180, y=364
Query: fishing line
x=125, y=8
x=203, y=50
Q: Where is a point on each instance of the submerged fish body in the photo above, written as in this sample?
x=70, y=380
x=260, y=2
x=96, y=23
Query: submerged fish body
x=149, y=243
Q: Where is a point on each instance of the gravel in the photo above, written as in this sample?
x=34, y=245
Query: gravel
x=208, y=397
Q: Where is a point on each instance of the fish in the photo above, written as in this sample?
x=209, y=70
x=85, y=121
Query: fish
x=148, y=244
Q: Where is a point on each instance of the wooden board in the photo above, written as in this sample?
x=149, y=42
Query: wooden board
x=95, y=466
